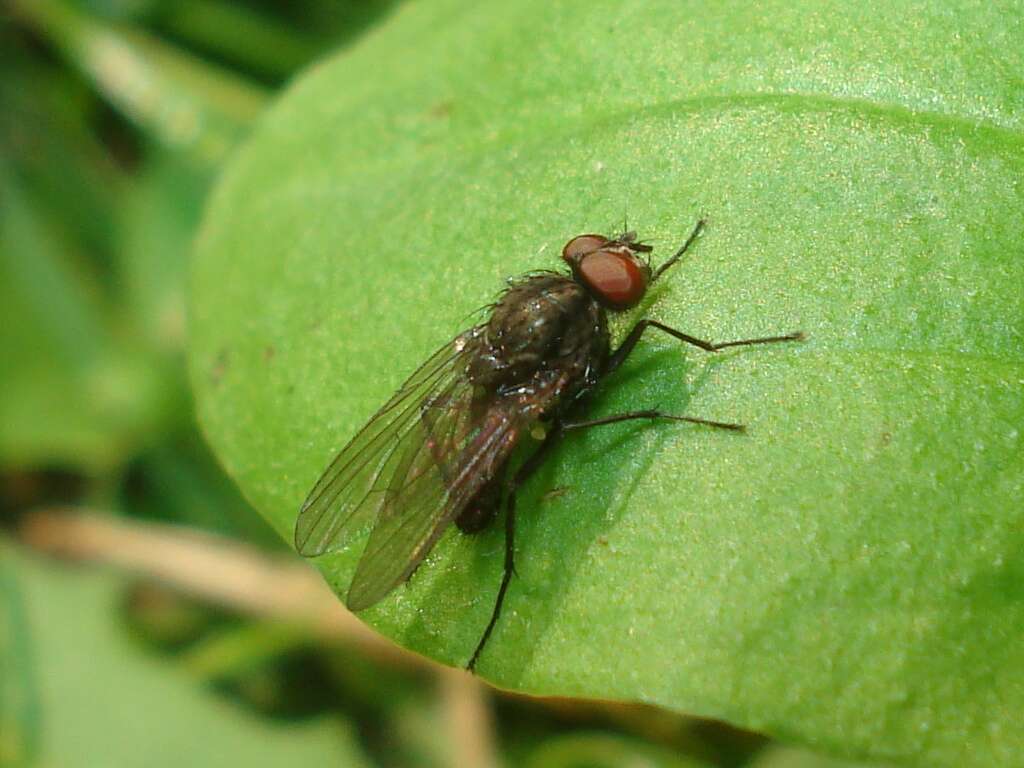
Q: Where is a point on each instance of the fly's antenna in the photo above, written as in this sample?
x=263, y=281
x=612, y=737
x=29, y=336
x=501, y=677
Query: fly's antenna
x=678, y=254
x=625, y=236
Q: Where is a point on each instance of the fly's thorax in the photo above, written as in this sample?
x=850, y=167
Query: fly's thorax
x=585, y=346
x=530, y=316
x=543, y=339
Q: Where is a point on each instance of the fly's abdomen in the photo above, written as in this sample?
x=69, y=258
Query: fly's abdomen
x=483, y=508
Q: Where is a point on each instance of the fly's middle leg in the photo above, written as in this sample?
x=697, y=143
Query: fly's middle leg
x=512, y=483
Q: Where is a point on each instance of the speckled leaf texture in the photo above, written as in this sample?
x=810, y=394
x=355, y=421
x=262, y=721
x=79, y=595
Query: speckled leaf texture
x=850, y=573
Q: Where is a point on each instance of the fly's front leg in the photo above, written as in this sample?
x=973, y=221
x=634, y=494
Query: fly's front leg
x=512, y=484
x=620, y=354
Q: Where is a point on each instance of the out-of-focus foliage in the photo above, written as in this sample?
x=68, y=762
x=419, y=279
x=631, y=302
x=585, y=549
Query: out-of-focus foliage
x=114, y=119
x=152, y=712
x=602, y=750
x=19, y=704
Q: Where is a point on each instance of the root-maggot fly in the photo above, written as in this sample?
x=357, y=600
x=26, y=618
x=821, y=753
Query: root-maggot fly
x=439, y=450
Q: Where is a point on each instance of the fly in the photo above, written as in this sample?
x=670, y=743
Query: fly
x=439, y=450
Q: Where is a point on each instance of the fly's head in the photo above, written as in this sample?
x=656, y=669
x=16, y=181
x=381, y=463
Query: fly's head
x=610, y=268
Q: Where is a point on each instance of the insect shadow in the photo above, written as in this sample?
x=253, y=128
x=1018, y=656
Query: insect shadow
x=559, y=532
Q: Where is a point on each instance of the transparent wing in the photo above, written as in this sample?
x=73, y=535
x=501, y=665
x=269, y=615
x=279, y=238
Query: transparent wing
x=352, y=490
x=441, y=473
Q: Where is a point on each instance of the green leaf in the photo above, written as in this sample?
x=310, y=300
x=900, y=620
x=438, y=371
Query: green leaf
x=19, y=696
x=158, y=223
x=71, y=393
x=46, y=135
x=846, y=574
x=152, y=713
x=604, y=750
x=178, y=100
x=787, y=757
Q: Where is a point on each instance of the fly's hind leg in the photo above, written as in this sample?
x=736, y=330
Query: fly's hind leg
x=512, y=483
x=651, y=415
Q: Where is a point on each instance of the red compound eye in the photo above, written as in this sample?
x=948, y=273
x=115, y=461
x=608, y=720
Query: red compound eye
x=614, y=277
x=581, y=245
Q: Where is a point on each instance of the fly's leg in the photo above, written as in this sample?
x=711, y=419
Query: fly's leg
x=620, y=354
x=512, y=484
x=523, y=473
x=650, y=414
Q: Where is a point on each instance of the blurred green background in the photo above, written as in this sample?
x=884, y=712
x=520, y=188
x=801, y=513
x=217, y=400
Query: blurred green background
x=147, y=616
